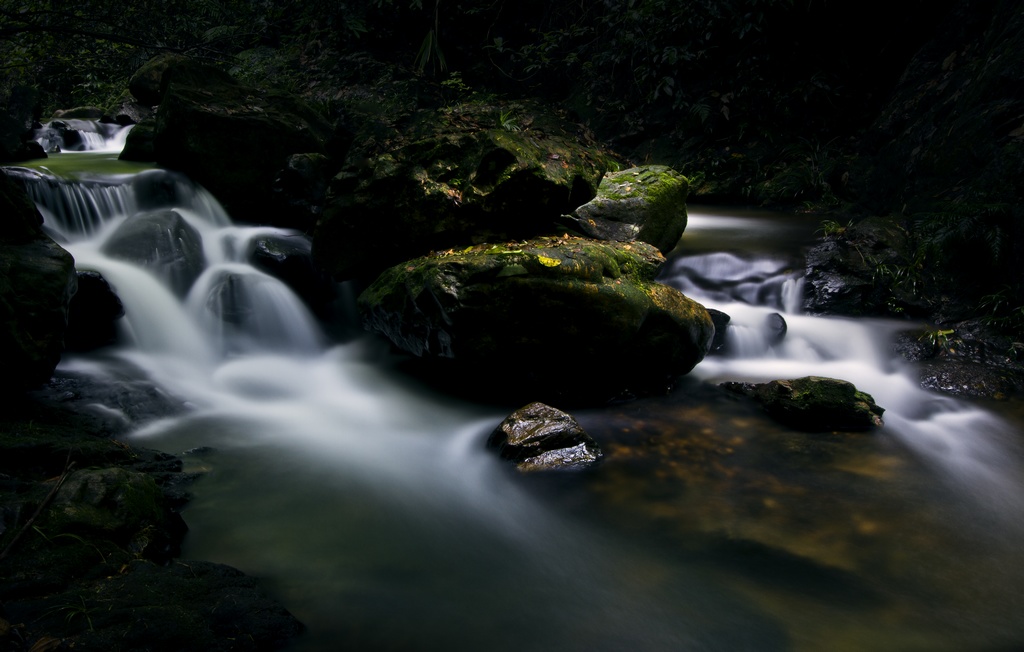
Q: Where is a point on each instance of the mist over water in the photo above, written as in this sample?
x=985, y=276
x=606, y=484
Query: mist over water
x=367, y=502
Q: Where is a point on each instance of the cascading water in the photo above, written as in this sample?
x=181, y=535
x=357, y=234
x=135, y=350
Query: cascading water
x=370, y=507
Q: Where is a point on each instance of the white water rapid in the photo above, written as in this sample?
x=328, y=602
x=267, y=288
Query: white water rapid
x=367, y=502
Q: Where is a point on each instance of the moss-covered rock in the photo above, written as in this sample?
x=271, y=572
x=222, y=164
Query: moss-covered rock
x=468, y=174
x=557, y=316
x=645, y=203
x=815, y=403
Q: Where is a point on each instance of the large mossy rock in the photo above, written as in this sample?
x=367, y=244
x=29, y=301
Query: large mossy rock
x=37, y=281
x=814, y=403
x=469, y=174
x=551, y=317
x=231, y=138
x=645, y=203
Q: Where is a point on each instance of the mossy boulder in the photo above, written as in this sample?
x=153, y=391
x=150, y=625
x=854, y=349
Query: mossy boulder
x=37, y=281
x=538, y=437
x=231, y=138
x=815, y=403
x=469, y=174
x=644, y=203
x=560, y=317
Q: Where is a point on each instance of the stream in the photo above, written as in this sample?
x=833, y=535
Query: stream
x=367, y=503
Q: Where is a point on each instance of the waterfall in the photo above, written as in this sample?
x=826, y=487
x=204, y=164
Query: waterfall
x=74, y=135
x=369, y=501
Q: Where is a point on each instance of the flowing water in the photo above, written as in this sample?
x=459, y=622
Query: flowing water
x=367, y=502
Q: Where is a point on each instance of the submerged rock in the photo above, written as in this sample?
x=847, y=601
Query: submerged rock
x=814, y=403
x=538, y=437
x=645, y=203
x=554, y=316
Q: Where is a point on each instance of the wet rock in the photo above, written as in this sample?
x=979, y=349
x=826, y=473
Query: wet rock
x=865, y=269
x=538, y=437
x=814, y=403
x=93, y=313
x=165, y=243
x=776, y=327
x=290, y=260
x=555, y=316
x=37, y=281
x=645, y=203
x=721, y=322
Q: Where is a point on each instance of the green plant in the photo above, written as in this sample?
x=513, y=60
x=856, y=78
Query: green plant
x=71, y=611
x=1003, y=310
x=832, y=228
x=938, y=338
x=508, y=121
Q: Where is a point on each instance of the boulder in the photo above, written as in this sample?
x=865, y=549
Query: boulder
x=290, y=260
x=866, y=269
x=232, y=139
x=93, y=313
x=567, y=317
x=37, y=281
x=814, y=403
x=465, y=175
x=163, y=242
x=138, y=146
x=538, y=437
x=644, y=203
x=146, y=85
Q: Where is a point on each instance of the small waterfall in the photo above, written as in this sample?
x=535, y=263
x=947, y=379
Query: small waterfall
x=73, y=135
x=762, y=291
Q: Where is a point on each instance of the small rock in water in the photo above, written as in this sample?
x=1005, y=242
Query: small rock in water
x=538, y=437
x=814, y=403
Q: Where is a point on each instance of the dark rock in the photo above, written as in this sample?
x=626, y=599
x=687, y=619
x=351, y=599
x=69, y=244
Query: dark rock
x=138, y=146
x=79, y=113
x=453, y=178
x=146, y=85
x=300, y=189
x=93, y=313
x=37, y=281
x=165, y=243
x=646, y=203
x=721, y=322
x=775, y=325
x=538, y=437
x=560, y=316
x=814, y=403
x=125, y=110
x=865, y=270
x=290, y=259
x=232, y=139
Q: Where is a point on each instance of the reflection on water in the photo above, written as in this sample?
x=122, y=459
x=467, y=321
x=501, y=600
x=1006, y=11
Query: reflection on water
x=368, y=503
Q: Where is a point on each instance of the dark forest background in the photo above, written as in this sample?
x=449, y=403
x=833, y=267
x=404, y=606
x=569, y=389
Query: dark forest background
x=847, y=109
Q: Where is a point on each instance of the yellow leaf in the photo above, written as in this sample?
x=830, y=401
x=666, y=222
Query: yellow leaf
x=549, y=262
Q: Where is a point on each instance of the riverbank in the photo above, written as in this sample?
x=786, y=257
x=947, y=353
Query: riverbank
x=90, y=534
